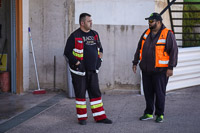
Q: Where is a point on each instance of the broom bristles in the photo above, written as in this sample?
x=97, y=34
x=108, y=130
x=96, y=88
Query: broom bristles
x=39, y=92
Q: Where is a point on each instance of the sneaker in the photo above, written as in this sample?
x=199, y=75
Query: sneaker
x=105, y=121
x=146, y=117
x=82, y=122
x=159, y=118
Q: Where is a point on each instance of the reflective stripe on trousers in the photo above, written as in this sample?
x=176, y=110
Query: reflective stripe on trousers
x=97, y=109
x=81, y=109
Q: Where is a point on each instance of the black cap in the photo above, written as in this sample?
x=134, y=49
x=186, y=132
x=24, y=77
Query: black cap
x=155, y=16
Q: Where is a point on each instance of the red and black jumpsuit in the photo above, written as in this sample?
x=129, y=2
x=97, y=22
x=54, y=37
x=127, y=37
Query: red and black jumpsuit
x=85, y=47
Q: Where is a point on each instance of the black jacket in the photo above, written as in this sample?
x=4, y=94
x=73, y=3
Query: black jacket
x=70, y=45
x=147, y=63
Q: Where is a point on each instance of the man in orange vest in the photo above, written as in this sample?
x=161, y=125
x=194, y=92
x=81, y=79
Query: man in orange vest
x=157, y=52
x=84, y=52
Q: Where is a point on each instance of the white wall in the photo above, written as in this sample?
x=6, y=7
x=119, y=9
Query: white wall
x=25, y=45
x=115, y=12
x=119, y=23
x=119, y=43
x=51, y=21
x=48, y=21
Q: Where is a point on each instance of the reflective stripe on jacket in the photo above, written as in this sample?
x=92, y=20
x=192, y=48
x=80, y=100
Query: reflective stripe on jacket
x=79, y=47
x=78, y=50
x=161, y=56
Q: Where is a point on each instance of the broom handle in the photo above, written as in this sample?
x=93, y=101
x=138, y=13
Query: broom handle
x=29, y=29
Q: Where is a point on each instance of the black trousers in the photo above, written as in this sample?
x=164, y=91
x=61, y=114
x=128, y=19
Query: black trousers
x=89, y=82
x=154, y=91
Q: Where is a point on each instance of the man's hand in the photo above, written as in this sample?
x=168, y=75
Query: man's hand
x=101, y=55
x=169, y=72
x=77, y=63
x=134, y=68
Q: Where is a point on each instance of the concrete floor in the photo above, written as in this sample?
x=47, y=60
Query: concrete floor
x=12, y=104
x=124, y=107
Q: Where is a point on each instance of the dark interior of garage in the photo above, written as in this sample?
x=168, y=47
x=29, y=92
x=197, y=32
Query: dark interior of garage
x=5, y=45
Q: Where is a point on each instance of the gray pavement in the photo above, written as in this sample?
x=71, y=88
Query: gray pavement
x=124, y=107
x=11, y=104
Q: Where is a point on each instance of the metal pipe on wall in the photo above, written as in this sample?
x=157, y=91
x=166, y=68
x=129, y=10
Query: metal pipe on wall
x=13, y=46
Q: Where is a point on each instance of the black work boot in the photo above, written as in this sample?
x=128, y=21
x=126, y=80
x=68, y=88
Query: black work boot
x=105, y=121
x=82, y=122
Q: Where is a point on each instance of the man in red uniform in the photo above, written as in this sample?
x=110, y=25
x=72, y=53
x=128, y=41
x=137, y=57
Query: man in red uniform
x=157, y=52
x=84, y=52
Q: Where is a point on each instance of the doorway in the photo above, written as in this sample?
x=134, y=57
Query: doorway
x=11, y=45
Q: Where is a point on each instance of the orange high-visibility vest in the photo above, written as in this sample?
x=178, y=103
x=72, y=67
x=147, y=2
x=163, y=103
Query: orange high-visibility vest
x=161, y=56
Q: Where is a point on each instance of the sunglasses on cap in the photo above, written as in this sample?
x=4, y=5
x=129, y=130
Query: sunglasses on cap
x=151, y=21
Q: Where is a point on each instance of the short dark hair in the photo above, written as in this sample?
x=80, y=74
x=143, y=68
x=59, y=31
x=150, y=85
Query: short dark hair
x=82, y=17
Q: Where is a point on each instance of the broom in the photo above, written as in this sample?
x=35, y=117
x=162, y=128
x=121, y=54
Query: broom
x=38, y=91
